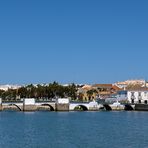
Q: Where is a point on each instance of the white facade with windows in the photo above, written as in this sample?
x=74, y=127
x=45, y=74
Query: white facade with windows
x=138, y=96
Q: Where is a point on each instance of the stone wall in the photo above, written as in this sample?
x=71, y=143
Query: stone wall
x=93, y=108
x=141, y=107
x=30, y=108
x=62, y=107
x=1, y=107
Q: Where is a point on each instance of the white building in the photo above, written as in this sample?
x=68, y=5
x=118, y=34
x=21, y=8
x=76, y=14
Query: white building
x=139, y=95
x=6, y=87
x=126, y=83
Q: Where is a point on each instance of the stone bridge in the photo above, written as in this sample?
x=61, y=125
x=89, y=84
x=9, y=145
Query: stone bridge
x=95, y=106
x=21, y=106
x=118, y=106
x=12, y=106
x=84, y=106
x=47, y=105
x=32, y=105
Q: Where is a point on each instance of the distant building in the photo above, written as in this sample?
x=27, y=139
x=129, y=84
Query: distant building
x=138, y=95
x=124, y=84
x=6, y=87
x=96, y=91
x=122, y=95
x=105, y=90
x=83, y=95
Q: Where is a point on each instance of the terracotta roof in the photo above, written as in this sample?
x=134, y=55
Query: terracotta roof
x=138, y=89
x=116, y=87
x=102, y=85
x=109, y=86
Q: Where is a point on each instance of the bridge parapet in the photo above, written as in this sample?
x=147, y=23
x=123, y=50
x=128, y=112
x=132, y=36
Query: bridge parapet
x=91, y=106
x=27, y=104
x=62, y=104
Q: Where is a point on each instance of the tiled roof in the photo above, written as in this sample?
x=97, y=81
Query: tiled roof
x=102, y=85
x=138, y=89
x=116, y=87
x=108, y=86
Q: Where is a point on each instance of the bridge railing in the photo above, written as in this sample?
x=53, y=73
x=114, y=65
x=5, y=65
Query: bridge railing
x=12, y=101
x=40, y=101
x=80, y=102
x=22, y=100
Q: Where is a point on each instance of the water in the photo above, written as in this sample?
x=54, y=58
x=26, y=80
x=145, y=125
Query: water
x=74, y=130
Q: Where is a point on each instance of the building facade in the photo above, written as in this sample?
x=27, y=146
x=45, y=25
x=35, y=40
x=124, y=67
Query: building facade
x=96, y=91
x=138, y=95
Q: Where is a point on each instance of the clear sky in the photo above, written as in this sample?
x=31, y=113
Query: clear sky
x=81, y=41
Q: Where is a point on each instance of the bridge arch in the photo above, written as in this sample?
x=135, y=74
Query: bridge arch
x=107, y=107
x=41, y=107
x=16, y=107
x=81, y=108
x=128, y=107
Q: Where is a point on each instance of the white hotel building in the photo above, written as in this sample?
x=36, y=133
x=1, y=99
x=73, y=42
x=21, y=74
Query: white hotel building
x=139, y=95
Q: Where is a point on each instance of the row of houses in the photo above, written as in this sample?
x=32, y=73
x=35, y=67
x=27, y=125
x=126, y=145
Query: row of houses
x=91, y=92
x=112, y=93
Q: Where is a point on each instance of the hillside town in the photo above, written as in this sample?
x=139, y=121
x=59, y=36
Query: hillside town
x=130, y=91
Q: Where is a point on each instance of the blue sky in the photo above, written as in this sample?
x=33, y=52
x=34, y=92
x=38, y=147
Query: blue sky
x=81, y=41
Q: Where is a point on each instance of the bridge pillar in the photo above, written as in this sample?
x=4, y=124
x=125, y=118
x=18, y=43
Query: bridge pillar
x=29, y=104
x=62, y=104
x=93, y=106
x=1, y=108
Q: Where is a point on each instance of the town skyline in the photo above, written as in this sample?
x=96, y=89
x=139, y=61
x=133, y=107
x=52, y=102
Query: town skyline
x=127, y=82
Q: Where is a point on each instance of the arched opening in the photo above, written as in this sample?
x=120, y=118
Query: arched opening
x=102, y=108
x=12, y=107
x=139, y=101
x=107, y=107
x=128, y=107
x=81, y=108
x=145, y=101
x=45, y=107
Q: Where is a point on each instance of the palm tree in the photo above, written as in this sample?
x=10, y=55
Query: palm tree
x=91, y=93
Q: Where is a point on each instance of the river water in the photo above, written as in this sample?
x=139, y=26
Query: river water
x=74, y=129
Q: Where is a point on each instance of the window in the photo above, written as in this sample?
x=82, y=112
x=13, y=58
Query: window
x=132, y=95
x=139, y=94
